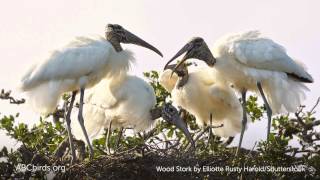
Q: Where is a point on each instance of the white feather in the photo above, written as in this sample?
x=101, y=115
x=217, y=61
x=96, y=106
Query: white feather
x=247, y=58
x=125, y=100
x=206, y=92
x=82, y=63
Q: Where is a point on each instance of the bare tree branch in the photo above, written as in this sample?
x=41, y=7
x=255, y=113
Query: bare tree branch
x=6, y=95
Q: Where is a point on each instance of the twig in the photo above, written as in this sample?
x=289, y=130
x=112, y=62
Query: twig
x=312, y=109
x=255, y=143
x=205, y=130
x=300, y=121
x=6, y=95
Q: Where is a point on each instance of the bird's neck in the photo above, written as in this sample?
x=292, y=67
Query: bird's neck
x=182, y=80
x=156, y=113
x=116, y=44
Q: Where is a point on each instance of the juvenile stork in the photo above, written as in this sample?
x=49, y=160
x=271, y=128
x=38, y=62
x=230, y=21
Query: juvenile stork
x=126, y=102
x=79, y=65
x=255, y=63
x=203, y=92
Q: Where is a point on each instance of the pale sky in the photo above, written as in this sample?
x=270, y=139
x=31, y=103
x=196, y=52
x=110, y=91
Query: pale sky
x=31, y=28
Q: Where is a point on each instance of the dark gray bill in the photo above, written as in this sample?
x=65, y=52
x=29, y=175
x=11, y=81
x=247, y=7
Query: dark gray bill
x=171, y=115
x=131, y=38
x=179, y=123
x=185, y=48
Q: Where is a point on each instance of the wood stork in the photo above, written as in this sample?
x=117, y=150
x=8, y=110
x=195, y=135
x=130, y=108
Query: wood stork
x=252, y=62
x=204, y=92
x=79, y=65
x=125, y=101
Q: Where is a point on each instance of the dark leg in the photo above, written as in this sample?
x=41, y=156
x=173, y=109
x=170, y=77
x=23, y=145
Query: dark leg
x=119, y=137
x=108, y=137
x=269, y=111
x=210, y=129
x=68, y=121
x=81, y=121
x=244, y=120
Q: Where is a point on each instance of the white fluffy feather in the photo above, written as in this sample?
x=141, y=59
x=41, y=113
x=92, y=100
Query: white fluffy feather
x=126, y=101
x=206, y=92
x=82, y=63
x=246, y=58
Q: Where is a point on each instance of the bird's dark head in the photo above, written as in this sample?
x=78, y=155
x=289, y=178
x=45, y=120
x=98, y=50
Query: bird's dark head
x=172, y=116
x=196, y=48
x=116, y=34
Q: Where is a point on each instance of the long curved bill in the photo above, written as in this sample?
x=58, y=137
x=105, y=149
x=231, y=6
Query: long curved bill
x=184, y=49
x=131, y=38
x=170, y=66
x=179, y=123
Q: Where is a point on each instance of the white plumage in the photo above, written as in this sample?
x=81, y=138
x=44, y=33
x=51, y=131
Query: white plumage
x=205, y=92
x=79, y=65
x=247, y=58
x=125, y=100
x=251, y=62
x=82, y=63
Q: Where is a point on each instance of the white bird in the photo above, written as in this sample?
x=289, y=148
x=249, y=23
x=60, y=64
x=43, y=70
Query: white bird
x=202, y=93
x=125, y=102
x=79, y=65
x=254, y=63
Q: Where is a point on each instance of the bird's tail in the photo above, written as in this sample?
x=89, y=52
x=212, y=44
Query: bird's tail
x=25, y=84
x=284, y=94
x=44, y=97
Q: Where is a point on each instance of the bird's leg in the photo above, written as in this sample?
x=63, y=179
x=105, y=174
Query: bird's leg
x=81, y=122
x=269, y=111
x=68, y=121
x=119, y=137
x=244, y=120
x=210, y=129
x=108, y=137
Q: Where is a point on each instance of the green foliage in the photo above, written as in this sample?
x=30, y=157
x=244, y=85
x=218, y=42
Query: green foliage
x=165, y=140
x=160, y=92
x=255, y=111
x=42, y=138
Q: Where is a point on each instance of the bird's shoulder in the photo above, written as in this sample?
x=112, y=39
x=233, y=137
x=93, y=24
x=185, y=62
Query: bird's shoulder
x=224, y=94
x=80, y=57
x=101, y=95
x=253, y=50
x=204, y=75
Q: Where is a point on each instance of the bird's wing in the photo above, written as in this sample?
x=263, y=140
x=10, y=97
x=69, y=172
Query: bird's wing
x=168, y=80
x=263, y=53
x=79, y=58
x=100, y=95
x=223, y=95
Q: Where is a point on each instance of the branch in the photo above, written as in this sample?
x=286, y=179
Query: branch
x=6, y=95
x=317, y=103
